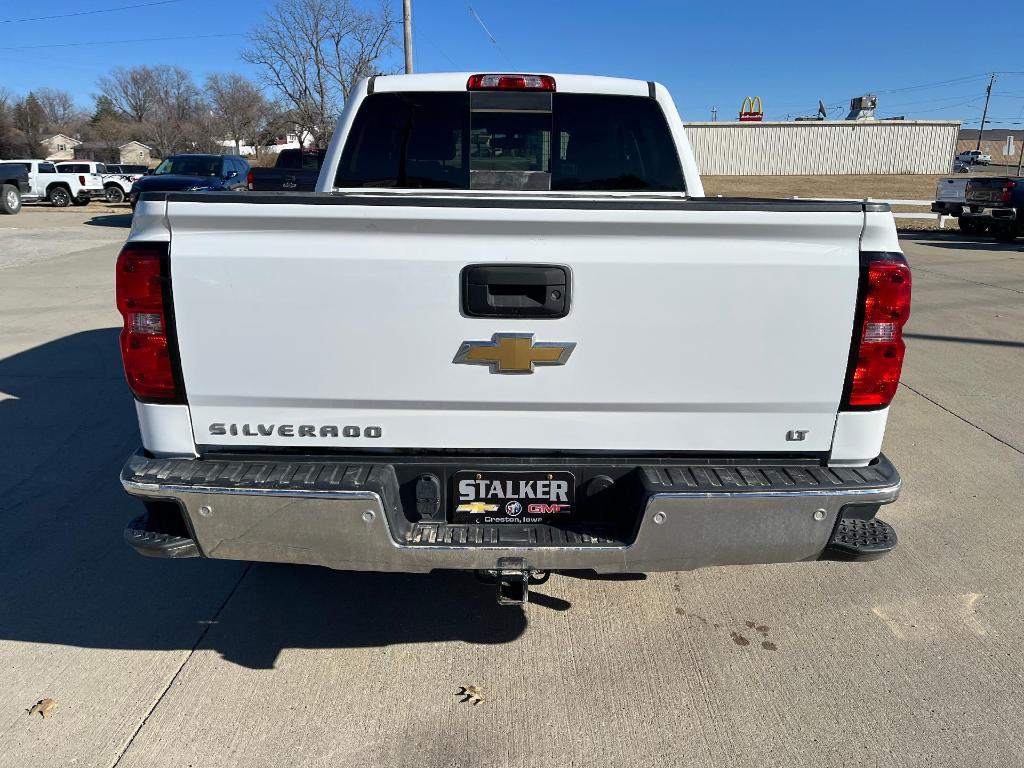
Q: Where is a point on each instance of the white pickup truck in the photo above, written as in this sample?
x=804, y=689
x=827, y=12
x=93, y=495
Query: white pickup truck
x=509, y=333
x=59, y=188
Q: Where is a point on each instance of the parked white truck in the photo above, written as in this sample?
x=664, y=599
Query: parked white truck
x=59, y=188
x=509, y=333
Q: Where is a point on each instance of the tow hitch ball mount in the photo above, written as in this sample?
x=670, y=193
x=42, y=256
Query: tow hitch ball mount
x=512, y=579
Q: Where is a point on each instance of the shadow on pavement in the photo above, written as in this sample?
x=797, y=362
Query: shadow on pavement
x=67, y=578
x=123, y=220
x=954, y=239
x=964, y=340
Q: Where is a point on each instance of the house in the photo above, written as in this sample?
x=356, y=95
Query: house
x=60, y=147
x=135, y=153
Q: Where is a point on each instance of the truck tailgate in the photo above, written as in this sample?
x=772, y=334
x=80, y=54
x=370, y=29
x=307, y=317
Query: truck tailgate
x=698, y=325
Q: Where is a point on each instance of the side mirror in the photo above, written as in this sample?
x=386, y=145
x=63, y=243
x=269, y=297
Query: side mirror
x=231, y=174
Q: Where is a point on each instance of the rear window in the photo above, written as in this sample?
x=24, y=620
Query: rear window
x=510, y=140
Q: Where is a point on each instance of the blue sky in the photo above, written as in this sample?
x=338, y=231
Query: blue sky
x=789, y=53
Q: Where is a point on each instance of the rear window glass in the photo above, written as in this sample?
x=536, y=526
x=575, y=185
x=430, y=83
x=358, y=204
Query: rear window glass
x=510, y=140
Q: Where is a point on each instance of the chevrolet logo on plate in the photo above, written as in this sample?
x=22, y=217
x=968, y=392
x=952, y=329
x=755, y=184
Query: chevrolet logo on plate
x=514, y=353
x=477, y=506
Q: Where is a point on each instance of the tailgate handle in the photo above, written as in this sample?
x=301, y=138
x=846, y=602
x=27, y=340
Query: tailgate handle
x=515, y=290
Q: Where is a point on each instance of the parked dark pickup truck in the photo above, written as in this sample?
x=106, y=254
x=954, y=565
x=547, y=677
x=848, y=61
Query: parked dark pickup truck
x=296, y=170
x=998, y=203
x=13, y=185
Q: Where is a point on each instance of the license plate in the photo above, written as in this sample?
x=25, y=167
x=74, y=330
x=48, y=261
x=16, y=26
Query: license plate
x=525, y=498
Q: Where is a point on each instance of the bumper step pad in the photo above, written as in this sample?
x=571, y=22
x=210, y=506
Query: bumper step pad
x=155, y=543
x=508, y=535
x=863, y=538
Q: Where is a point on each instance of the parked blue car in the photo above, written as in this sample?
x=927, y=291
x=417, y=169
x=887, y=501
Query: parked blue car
x=194, y=173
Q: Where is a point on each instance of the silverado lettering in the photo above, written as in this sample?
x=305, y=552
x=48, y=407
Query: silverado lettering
x=220, y=429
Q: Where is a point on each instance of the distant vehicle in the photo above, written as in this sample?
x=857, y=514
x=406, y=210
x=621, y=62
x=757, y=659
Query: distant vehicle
x=128, y=170
x=959, y=167
x=296, y=170
x=59, y=189
x=119, y=180
x=13, y=184
x=950, y=198
x=996, y=202
x=974, y=157
x=98, y=173
x=194, y=173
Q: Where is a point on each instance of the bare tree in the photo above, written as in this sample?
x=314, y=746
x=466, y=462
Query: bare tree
x=30, y=120
x=177, y=114
x=8, y=139
x=61, y=113
x=313, y=52
x=132, y=91
x=242, y=111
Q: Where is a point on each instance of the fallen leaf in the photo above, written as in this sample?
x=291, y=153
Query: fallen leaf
x=44, y=707
x=473, y=693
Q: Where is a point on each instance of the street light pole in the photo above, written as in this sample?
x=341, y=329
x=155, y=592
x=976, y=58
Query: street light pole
x=984, y=112
x=407, y=27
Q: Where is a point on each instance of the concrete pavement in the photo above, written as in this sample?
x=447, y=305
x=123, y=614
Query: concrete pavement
x=911, y=660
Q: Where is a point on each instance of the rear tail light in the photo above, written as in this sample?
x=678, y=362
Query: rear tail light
x=878, y=349
x=147, y=341
x=248, y=179
x=81, y=180
x=1007, y=194
x=510, y=83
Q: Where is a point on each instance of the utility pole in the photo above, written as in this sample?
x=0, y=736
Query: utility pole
x=984, y=112
x=407, y=27
x=714, y=113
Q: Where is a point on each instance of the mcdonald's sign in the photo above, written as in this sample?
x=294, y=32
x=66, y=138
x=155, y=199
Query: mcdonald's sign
x=751, y=110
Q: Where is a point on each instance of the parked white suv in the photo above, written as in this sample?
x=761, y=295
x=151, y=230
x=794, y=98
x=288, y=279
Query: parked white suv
x=90, y=175
x=59, y=189
x=974, y=157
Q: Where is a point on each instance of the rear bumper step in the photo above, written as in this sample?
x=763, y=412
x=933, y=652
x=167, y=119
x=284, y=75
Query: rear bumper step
x=359, y=515
x=862, y=539
x=142, y=536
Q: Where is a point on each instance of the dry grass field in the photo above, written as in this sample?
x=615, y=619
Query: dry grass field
x=878, y=186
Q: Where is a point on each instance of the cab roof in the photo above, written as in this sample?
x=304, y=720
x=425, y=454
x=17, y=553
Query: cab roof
x=456, y=81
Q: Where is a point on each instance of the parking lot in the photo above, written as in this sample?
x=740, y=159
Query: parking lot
x=915, y=659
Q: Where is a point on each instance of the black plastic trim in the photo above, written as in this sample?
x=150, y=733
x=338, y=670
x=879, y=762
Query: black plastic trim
x=272, y=471
x=370, y=84
x=552, y=309
x=539, y=203
x=650, y=89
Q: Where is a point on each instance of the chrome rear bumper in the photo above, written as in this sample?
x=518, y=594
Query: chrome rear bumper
x=350, y=516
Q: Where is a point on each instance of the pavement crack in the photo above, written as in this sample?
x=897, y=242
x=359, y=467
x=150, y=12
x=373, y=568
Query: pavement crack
x=202, y=636
x=965, y=421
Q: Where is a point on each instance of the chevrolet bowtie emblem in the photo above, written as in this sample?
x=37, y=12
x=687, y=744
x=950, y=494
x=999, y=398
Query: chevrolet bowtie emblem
x=514, y=353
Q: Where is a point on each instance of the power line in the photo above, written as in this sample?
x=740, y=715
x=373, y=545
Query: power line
x=487, y=32
x=88, y=13
x=118, y=42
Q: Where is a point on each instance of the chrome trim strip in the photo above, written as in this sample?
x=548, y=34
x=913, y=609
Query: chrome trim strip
x=162, y=489
x=884, y=490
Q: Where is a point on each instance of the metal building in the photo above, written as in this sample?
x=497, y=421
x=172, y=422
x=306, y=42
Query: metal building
x=824, y=147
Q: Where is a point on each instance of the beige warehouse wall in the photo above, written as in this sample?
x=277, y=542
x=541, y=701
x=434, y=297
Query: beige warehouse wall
x=823, y=148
